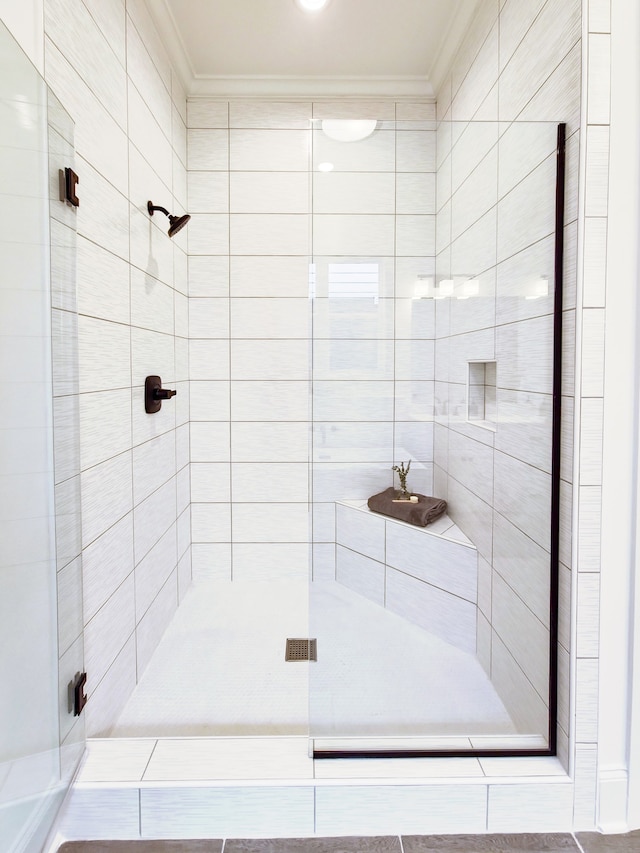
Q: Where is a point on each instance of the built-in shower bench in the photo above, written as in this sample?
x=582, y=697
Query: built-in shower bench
x=427, y=575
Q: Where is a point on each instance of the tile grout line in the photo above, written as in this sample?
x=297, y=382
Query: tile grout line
x=146, y=767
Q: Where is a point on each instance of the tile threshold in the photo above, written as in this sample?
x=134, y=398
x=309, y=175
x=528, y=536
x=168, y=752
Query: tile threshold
x=284, y=761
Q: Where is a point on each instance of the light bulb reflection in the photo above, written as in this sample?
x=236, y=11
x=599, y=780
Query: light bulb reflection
x=470, y=287
x=444, y=289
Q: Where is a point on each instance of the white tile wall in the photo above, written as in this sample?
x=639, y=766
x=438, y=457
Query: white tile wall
x=93, y=811
x=88, y=50
x=101, y=139
x=447, y=616
x=106, y=495
x=103, y=634
x=361, y=532
x=219, y=812
x=558, y=28
x=106, y=563
x=382, y=809
x=153, y=570
x=510, y=808
x=151, y=626
x=433, y=560
x=269, y=234
x=361, y=574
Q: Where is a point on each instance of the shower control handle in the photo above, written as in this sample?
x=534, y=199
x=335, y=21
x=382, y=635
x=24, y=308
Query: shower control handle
x=154, y=394
x=163, y=394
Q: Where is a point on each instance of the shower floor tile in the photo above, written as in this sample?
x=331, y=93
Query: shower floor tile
x=220, y=667
x=220, y=671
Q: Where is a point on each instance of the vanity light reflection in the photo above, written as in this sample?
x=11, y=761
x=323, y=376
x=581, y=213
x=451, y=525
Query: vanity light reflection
x=538, y=288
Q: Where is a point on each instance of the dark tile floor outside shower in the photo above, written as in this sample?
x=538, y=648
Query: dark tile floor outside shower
x=581, y=842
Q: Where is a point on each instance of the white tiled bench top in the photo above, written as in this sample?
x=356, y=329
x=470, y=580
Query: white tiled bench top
x=443, y=526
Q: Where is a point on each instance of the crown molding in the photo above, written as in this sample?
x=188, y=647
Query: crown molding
x=460, y=23
x=240, y=86
x=162, y=17
x=245, y=86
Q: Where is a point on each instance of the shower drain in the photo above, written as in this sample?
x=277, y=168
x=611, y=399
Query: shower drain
x=301, y=649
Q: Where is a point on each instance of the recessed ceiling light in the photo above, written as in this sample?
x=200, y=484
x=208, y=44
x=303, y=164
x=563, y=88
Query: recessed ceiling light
x=312, y=5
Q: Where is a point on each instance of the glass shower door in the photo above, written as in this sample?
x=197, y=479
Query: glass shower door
x=40, y=592
x=437, y=315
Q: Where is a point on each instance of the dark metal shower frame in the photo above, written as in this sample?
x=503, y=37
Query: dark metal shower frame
x=554, y=557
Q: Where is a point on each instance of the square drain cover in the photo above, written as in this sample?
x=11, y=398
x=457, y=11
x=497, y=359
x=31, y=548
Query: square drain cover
x=301, y=649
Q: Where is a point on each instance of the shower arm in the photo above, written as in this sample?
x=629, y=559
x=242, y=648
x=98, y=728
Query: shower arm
x=151, y=207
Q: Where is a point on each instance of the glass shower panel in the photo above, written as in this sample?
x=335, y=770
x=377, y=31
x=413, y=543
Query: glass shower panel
x=66, y=430
x=40, y=606
x=434, y=252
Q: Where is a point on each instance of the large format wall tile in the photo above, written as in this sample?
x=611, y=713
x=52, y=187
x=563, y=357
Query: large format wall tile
x=88, y=50
x=102, y=644
x=272, y=275
x=153, y=570
x=551, y=36
x=268, y=192
x=523, y=634
x=523, y=564
x=525, y=706
x=376, y=153
x=268, y=114
x=94, y=266
x=213, y=812
x=268, y=150
x=361, y=574
x=380, y=809
x=106, y=563
x=144, y=75
x=432, y=609
x=434, y=560
x=523, y=495
x=152, y=625
x=106, y=495
x=361, y=532
x=105, y=425
x=99, y=138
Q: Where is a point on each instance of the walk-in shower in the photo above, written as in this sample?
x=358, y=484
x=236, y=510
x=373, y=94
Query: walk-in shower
x=409, y=313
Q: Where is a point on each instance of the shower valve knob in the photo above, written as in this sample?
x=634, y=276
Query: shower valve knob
x=154, y=394
x=163, y=394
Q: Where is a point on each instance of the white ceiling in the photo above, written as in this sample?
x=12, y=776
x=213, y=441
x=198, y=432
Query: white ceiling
x=368, y=47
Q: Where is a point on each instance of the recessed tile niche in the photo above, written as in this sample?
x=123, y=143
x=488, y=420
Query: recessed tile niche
x=481, y=394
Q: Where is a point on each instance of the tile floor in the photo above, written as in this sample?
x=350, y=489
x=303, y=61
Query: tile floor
x=220, y=670
x=584, y=842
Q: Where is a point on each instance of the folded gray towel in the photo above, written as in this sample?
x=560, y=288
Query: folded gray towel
x=422, y=513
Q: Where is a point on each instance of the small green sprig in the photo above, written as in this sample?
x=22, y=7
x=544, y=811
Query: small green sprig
x=402, y=474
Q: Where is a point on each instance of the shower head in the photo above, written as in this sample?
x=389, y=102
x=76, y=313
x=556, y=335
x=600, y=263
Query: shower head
x=176, y=223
